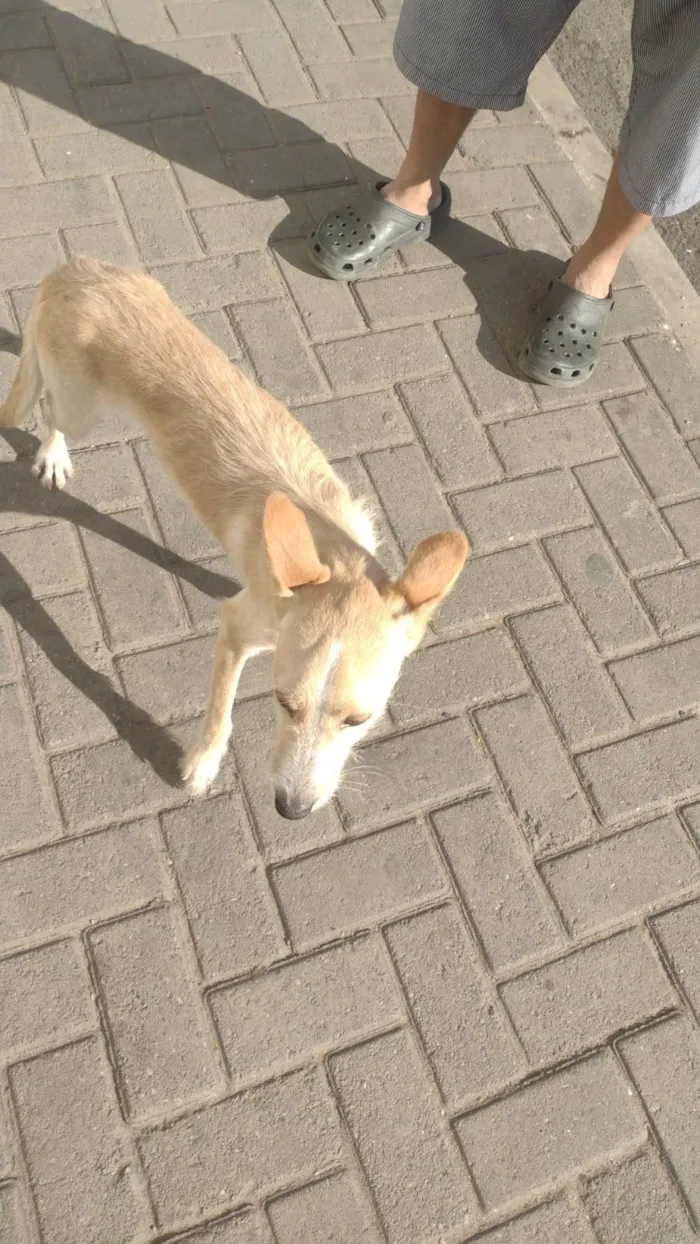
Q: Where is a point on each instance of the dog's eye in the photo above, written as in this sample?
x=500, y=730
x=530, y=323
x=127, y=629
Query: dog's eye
x=355, y=721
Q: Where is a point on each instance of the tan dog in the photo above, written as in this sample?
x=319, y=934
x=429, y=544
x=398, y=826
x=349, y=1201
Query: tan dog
x=101, y=337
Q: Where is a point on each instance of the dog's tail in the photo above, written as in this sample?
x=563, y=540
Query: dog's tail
x=28, y=383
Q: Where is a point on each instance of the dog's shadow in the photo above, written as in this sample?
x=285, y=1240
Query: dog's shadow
x=21, y=494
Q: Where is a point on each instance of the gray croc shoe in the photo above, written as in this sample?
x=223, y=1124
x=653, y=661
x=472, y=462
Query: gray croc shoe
x=351, y=242
x=564, y=346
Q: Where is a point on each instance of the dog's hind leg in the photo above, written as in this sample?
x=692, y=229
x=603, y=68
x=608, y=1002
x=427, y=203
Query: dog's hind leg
x=238, y=639
x=52, y=464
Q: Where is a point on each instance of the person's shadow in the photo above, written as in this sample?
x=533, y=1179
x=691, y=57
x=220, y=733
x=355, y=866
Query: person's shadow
x=210, y=127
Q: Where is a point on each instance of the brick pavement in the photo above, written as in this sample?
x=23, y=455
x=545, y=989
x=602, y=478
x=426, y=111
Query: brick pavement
x=461, y=1003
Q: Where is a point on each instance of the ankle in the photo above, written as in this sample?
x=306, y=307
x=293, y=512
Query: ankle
x=592, y=275
x=419, y=197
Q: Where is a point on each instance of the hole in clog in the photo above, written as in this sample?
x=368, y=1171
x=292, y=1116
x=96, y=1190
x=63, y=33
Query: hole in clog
x=576, y=373
x=556, y=371
x=347, y=267
x=317, y=248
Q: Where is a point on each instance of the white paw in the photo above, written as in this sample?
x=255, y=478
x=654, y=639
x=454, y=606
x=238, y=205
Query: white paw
x=199, y=767
x=52, y=464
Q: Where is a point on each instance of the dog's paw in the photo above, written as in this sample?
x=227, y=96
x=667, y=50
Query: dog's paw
x=52, y=465
x=199, y=767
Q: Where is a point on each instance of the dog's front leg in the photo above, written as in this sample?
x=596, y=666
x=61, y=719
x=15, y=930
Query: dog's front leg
x=239, y=638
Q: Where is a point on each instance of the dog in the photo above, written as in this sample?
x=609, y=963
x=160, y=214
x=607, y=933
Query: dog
x=101, y=337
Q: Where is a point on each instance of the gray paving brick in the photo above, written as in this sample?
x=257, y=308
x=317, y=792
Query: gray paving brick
x=491, y=190
x=383, y=359
x=29, y=812
x=684, y=521
x=524, y=745
x=157, y=217
x=533, y=229
x=370, y=38
x=569, y=196
x=354, y=884
x=244, y=1228
x=497, y=880
x=282, y=360
x=672, y=376
x=223, y=16
x=673, y=600
x=110, y=242
x=445, y=419
x=327, y=308
x=348, y=992
x=87, y=46
x=409, y=771
x=549, y=1129
x=677, y=933
x=447, y=678
x=627, y=874
x=351, y=425
x=182, y=530
x=636, y=1204
x=465, y=1034
x=107, y=478
x=265, y=1137
x=601, y=594
x=630, y=520
x=12, y=1221
x=23, y=30
x=136, y=598
x=204, y=606
x=119, y=871
x=394, y=300
x=409, y=1156
x=490, y=588
x=336, y=121
x=636, y=311
x=494, y=395
x=43, y=91
x=140, y=20
x=252, y=742
x=146, y=100
x=126, y=148
x=210, y=284
x=171, y=682
x=509, y=146
x=20, y=164
x=230, y=911
x=333, y=1211
x=660, y=682
x=659, y=455
x=38, y=256
x=44, y=560
x=557, y=439
x=84, y=1188
x=359, y=79
x=235, y=227
x=234, y=109
x=58, y=975
x=316, y=36
x=578, y=689
x=616, y=373
x=569, y=1006
x=163, y=1050
x=663, y=1062
x=276, y=66
x=409, y=494
x=71, y=681
x=274, y=170
x=537, y=505
x=643, y=772
x=81, y=201
x=551, y=1223
x=217, y=327
x=199, y=167
x=354, y=475
x=211, y=54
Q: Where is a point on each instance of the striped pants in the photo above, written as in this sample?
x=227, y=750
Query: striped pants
x=480, y=53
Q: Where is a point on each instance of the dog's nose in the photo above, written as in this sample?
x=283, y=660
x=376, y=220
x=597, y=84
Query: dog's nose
x=291, y=807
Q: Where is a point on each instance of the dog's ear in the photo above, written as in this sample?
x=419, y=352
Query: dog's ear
x=431, y=572
x=290, y=546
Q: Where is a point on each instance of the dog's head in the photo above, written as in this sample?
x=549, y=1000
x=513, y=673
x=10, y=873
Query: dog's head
x=343, y=638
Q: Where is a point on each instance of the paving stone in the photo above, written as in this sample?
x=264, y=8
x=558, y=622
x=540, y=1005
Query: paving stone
x=616, y=373
x=265, y=1137
x=383, y=359
x=558, y=439
x=212, y=54
x=182, y=529
x=333, y=1211
x=29, y=812
x=636, y=1204
x=12, y=1220
x=43, y=91
x=677, y=933
x=204, y=605
x=327, y=308
x=636, y=311
x=533, y=229
x=38, y=256
x=137, y=599
x=110, y=242
x=140, y=20
x=465, y=1033
x=354, y=474
x=223, y=16
x=233, y=107
x=513, y=510
x=524, y=745
x=660, y=682
x=630, y=520
x=490, y=190
x=569, y=196
x=21, y=164
x=666, y=363
x=163, y=1052
x=245, y=1228
x=337, y=122
x=409, y=1156
x=497, y=394
x=547, y=1224
x=316, y=36
x=199, y=167
x=445, y=678
x=642, y=772
x=600, y=592
x=23, y=30
x=157, y=217
x=56, y=973
x=628, y=874
x=569, y=1006
x=409, y=494
x=217, y=327
x=322, y=1002
x=119, y=871
x=490, y=588
x=276, y=66
x=353, y=884
x=352, y=425
x=684, y=521
x=446, y=422
x=394, y=300
x=577, y=687
x=659, y=455
x=40, y=562
x=147, y=100
x=496, y=878
x=359, y=79
x=672, y=600
x=89, y=51
x=549, y=1129
x=84, y=1188
x=409, y=771
x=663, y=1063
x=282, y=361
